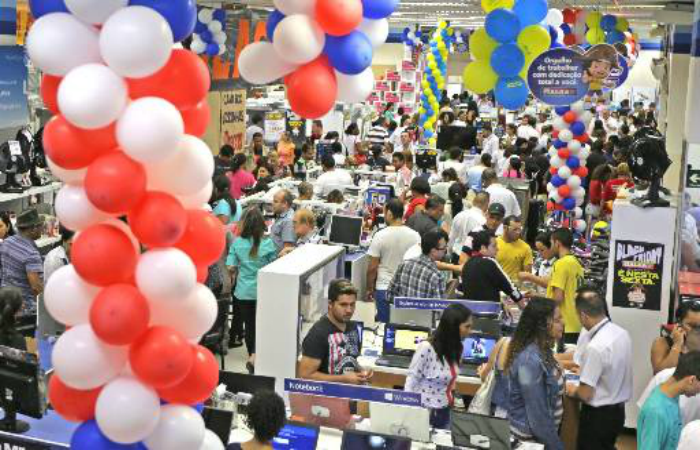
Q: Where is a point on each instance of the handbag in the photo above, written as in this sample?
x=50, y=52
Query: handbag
x=481, y=403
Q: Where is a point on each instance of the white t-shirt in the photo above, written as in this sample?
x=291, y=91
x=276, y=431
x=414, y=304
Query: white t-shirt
x=349, y=142
x=250, y=131
x=464, y=223
x=334, y=179
x=390, y=246
x=690, y=436
x=458, y=166
x=395, y=138
x=339, y=159
x=690, y=406
x=526, y=132
x=500, y=194
x=490, y=146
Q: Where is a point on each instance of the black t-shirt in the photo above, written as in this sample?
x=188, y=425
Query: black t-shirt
x=483, y=279
x=595, y=159
x=380, y=163
x=337, y=350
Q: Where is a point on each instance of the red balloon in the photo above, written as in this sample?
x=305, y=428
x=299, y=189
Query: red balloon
x=550, y=206
x=553, y=170
x=115, y=183
x=73, y=148
x=119, y=314
x=558, y=207
x=338, y=17
x=49, y=92
x=72, y=404
x=569, y=16
x=199, y=382
x=103, y=255
x=161, y=357
x=196, y=119
x=202, y=273
x=570, y=39
x=583, y=138
x=312, y=89
x=555, y=134
x=184, y=81
x=581, y=172
x=564, y=191
x=204, y=239
x=159, y=220
x=570, y=117
x=564, y=153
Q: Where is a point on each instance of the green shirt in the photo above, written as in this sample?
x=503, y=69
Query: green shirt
x=248, y=266
x=659, y=424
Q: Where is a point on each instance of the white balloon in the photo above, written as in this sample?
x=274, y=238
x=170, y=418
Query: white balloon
x=550, y=187
x=554, y=195
x=94, y=11
x=552, y=152
x=220, y=38
x=59, y=42
x=193, y=158
x=74, y=209
x=179, y=428
x=574, y=182
x=92, y=96
x=586, y=117
x=555, y=18
x=65, y=175
x=565, y=135
x=578, y=212
x=211, y=441
x=197, y=200
x=150, y=130
x=289, y=7
x=192, y=316
x=592, y=210
x=68, y=297
x=355, y=88
x=578, y=107
x=376, y=30
x=574, y=147
x=298, y=39
x=564, y=172
x=259, y=63
x=556, y=162
x=560, y=35
x=559, y=124
x=584, y=153
x=222, y=50
x=206, y=15
x=127, y=410
x=136, y=41
x=83, y=361
x=165, y=274
x=198, y=46
x=579, y=201
x=580, y=225
x=579, y=193
x=215, y=26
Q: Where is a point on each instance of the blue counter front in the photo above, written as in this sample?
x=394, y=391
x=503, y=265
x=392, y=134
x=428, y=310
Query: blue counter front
x=51, y=432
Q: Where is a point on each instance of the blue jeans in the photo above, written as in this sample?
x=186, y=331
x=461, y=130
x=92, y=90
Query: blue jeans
x=440, y=418
x=382, y=307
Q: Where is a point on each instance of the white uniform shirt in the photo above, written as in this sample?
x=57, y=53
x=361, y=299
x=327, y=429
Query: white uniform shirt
x=464, y=223
x=690, y=406
x=500, y=194
x=334, y=179
x=490, y=146
x=458, y=166
x=390, y=245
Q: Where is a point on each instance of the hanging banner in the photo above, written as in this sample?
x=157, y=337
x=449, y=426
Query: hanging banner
x=275, y=125
x=14, y=112
x=296, y=127
x=8, y=22
x=233, y=119
x=638, y=273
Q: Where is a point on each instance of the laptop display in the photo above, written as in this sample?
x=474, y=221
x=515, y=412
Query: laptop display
x=346, y=230
x=403, y=339
x=478, y=431
x=477, y=349
x=296, y=436
x=360, y=440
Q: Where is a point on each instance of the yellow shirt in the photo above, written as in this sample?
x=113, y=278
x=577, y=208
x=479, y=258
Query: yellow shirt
x=567, y=275
x=513, y=257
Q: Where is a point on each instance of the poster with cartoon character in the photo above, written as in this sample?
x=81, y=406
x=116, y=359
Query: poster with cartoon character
x=638, y=274
x=599, y=63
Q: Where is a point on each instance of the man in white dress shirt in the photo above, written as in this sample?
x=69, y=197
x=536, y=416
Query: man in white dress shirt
x=490, y=141
x=331, y=178
x=499, y=193
x=467, y=221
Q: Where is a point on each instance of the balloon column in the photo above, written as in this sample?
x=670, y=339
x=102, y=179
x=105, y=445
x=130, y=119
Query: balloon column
x=567, y=158
x=322, y=48
x=124, y=140
x=606, y=28
x=503, y=50
x=412, y=38
x=433, y=82
x=209, y=33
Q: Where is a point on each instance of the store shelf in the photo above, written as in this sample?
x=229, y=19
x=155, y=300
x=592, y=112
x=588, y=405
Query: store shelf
x=53, y=187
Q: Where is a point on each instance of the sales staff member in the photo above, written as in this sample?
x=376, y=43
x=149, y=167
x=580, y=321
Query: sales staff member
x=604, y=354
x=282, y=231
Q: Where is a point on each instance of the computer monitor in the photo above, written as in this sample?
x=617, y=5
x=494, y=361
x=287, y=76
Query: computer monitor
x=477, y=348
x=238, y=383
x=323, y=148
x=421, y=317
x=362, y=440
x=402, y=421
x=478, y=431
x=22, y=388
x=345, y=230
x=321, y=411
x=220, y=421
x=403, y=339
x=296, y=436
x=483, y=309
x=486, y=325
x=426, y=159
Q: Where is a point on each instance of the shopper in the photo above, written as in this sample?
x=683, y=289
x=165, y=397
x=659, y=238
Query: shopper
x=351, y=142
x=226, y=208
x=306, y=191
x=331, y=178
x=494, y=220
x=256, y=127
x=466, y=222
x=623, y=179
x=659, y=424
x=420, y=277
x=475, y=173
x=282, y=230
x=404, y=176
x=526, y=130
x=535, y=405
x=547, y=258
x=378, y=135
x=249, y=253
x=332, y=346
x=666, y=349
x=499, y=193
x=257, y=147
x=22, y=266
x=316, y=132
x=265, y=417
x=435, y=364
x=600, y=176
x=567, y=275
x=513, y=254
x=489, y=141
x=483, y=278
x=11, y=300
x=222, y=162
x=377, y=161
x=239, y=177
x=405, y=144
x=454, y=161
x=428, y=218
x=285, y=150
x=386, y=253
x=420, y=190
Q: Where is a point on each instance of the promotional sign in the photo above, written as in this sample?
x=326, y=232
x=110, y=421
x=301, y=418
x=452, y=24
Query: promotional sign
x=275, y=125
x=436, y=304
x=381, y=86
x=638, y=273
x=392, y=76
x=296, y=127
x=391, y=97
x=362, y=393
x=233, y=118
x=408, y=65
x=14, y=111
x=407, y=87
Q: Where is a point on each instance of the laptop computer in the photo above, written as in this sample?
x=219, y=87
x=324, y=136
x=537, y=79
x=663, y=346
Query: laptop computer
x=476, y=351
x=402, y=421
x=400, y=342
x=478, y=431
x=362, y=440
x=321, y=411
x=296, y=436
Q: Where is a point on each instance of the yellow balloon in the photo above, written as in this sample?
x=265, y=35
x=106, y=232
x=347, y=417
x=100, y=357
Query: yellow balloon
x=442, y=25
x=432, y=141
x=450, y=31
x=490, y=5
x=481, y=45
x=534, y=40
x=593, y=19
x=479, y=77
x=622, y=24
x=425, y=85
x=595, y=36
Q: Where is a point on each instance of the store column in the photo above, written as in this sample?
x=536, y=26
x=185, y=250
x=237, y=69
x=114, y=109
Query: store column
x=692, y=130
x=679, y=57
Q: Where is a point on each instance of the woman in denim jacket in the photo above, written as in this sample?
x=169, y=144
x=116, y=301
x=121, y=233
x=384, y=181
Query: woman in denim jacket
x=536, y=381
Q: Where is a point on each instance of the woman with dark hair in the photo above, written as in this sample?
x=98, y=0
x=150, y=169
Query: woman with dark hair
x=599, y=178
x=249, y=253
x=226, y=208
x=10, y=304
x=266, y=417
x=239, y=177
x=667, y=348
x=351, y=141
x=536, y=381
x=435, y=365
x=6, y=227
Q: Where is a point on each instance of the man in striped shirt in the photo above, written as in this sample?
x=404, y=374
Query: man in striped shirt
x=378, y=135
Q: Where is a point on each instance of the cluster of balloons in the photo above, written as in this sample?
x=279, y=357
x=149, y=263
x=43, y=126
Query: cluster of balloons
x=322, y=48
x=553, y=23
x=567, y=158
x=128, y=109
x=574, y=26
x=502, y=51
x=412, y=38
x=209, y=33
x=605, y=29
x=433, y=82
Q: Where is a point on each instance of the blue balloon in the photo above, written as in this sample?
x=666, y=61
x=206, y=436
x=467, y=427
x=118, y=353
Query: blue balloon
x=608, y=22
x=556, y=45
x=614, y=37
x=507, y=60
x=42, y=7
x=566, y=28
x=206, y=36
x=561, y=110
x=577, y=128
x=569, y=203
x=374, y=9
x=557, y=181
x=212, y=49
x=200, y=28
x=181, y=15
x=502, y=25
x=558, y=144
x=418, y=34
x=573, y=162
x=220, y=15
x=350, y=54
x=511, y=93
x=89, y=437
x=530, y=12
x=273, y=19
x=552, y=33
x=199, y=407
x=428, y=133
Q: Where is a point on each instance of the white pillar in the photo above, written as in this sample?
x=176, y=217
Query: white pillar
x=679, y=59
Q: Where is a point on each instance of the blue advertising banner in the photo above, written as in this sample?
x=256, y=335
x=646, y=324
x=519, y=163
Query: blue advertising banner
x=556, y=77
x=14, y=111
x=360, y=393
x=437, y=304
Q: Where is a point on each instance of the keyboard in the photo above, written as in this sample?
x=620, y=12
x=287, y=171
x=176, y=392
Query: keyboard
x=402, y=362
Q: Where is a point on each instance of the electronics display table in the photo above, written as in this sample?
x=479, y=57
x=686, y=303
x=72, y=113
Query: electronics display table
x=51, y=432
